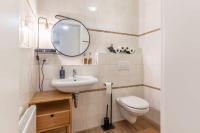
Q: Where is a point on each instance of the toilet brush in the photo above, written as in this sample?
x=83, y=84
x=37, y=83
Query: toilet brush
x=108, y=123
x=106, y=120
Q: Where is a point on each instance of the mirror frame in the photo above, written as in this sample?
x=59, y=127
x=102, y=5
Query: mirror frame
x=67, y=18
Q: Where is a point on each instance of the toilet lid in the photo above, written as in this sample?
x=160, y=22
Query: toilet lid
x=135, y=102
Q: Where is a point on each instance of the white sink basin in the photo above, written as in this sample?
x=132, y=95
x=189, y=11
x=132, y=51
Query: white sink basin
x=70, y=85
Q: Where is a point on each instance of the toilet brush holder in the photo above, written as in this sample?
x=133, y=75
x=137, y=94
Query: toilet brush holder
x=108, y=123
x=106, y=120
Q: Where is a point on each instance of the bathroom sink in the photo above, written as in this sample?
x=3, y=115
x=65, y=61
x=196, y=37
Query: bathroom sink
x=74, y=85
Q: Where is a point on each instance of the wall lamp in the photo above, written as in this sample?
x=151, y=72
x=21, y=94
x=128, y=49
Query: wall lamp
x=46, y=26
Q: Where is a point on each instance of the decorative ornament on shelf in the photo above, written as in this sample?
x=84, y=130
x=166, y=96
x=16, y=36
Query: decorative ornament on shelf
x=111, y=49
x=120, y=50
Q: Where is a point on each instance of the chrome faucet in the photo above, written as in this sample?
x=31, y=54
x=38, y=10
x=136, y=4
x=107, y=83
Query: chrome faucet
x=74, y=74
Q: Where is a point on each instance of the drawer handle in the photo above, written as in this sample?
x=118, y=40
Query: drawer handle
x=52, y=115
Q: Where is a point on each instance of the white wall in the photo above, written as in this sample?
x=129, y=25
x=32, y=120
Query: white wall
x=131, y=16
x=92, y=105
x=150, y=19
x=181, y=65
x=10, y=66
x=110, y=15
x=113, y=15
x=149, y=15
x=27, y=43
x=106, y=70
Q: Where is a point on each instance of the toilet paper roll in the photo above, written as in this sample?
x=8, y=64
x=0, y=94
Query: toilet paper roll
x=127, y=49
x=118, y=50
x=108, y=86
x=123, y=48
x=132, y=51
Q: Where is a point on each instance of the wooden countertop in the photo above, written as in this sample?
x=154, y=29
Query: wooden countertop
x=49, y=96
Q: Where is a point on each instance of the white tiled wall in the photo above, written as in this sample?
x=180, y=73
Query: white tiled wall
x=92, y=107
x=150, y=19
x=153, y=97
x=107, y=69
x=99, y=43
x=26, y=90
x=132, y=16
x=27, y=44
x=110, y=15
x=149, y=15
x=151, y=46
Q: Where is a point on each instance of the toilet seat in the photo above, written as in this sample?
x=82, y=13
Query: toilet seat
x=131, y=107
x=134, y=102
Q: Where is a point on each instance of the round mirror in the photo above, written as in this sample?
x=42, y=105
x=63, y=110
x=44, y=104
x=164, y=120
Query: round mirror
x=70, y=37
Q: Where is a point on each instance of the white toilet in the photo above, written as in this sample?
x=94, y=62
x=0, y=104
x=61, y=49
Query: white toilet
x=131, y=107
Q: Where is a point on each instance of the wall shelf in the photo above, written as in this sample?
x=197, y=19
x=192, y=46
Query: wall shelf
x=46, y=51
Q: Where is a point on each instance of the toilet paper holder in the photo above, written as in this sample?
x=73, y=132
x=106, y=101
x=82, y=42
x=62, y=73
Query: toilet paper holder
x=111, y=84
x=111, y=126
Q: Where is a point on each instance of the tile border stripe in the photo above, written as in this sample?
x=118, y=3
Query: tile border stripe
x=120, y=33
x=120, y=87
x=113, y=32
x=155, y=88
x=149, y=32
x=127, y=34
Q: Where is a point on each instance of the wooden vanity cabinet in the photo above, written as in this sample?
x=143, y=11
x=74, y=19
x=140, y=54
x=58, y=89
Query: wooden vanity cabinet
x=54, y=110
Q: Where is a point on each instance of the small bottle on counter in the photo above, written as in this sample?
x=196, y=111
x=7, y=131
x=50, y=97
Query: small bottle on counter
x=90, y=58
x=62, y=73
x=85, y=59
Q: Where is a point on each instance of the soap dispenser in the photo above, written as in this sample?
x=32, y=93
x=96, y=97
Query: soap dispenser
x=62, y=73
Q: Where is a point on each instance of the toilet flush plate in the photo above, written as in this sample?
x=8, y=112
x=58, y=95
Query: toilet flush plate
x=123, y=65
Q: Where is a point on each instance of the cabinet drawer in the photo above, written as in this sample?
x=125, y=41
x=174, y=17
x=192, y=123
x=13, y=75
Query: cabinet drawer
x=53, y=120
